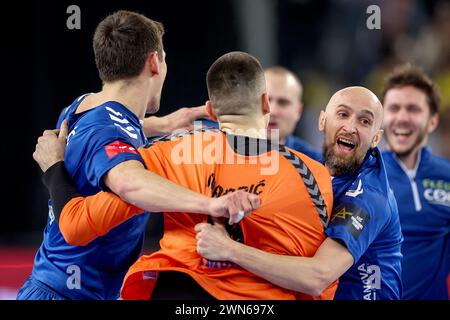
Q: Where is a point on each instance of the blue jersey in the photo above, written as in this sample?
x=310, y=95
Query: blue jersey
x=302, y=146
x=423, y=197
x=98, y=140
x=365, y=220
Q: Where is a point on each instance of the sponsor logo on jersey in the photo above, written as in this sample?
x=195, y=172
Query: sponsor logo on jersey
x=352, y=217
x=117, y=147
x=370, y=275
x=437, y=191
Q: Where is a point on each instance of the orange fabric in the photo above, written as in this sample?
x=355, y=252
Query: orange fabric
x=287, y=223
x=80, y=224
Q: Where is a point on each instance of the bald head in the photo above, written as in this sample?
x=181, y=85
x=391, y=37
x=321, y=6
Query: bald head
x=277, y=77
x=352, y=125
x=360, y=99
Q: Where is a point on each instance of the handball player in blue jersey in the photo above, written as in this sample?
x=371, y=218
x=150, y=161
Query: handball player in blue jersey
x=105, y=129
x=420, y=181
x=364, y=236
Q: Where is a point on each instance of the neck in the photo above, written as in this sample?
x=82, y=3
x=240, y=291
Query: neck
x=244, y=126
x=129, y=94
x=409, y=159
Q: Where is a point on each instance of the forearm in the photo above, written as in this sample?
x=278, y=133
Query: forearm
x=156, y=125
x=85, y=219
x=80, y=219
x=151, y=192
x=300, y=274
x=60, y=187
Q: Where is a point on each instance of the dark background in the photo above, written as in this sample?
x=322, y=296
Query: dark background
x=46, y=66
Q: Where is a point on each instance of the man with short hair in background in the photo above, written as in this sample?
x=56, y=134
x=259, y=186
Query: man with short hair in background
x=285, y=96
x=420, y=181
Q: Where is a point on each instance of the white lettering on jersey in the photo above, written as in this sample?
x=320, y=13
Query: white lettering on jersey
x=437, y=196
x=51, y=214
x=74, y=280
x=371, y=279
x=71, y=134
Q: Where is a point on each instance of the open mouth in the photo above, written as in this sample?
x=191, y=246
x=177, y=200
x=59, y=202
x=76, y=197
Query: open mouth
x=273, y=125
x=402, y=132
x=346, y=144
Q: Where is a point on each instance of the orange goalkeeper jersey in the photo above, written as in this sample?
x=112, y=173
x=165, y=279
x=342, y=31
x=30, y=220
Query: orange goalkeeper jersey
x=295, y=192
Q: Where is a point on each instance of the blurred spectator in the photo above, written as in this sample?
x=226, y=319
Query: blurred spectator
x=285, y=95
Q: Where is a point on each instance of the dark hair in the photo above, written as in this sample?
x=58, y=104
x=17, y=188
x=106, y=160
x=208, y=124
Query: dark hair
x=235, y=83
x=122, y=42
x=409, y=75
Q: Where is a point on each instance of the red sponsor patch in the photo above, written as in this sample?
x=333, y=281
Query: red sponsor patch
x=117, y=147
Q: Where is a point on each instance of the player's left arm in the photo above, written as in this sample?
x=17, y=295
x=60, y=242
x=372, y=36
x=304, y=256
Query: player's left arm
x=181, y=119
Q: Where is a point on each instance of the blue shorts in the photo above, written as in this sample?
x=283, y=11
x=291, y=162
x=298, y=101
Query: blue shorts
x=36, y=290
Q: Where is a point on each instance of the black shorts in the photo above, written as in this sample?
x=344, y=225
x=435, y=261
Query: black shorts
x=173, y=285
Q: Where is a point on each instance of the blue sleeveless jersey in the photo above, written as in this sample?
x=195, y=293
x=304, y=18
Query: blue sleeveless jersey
x=98, y=140
x=365, y=219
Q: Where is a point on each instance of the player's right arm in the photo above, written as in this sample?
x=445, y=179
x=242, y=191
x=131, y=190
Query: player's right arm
x=309, y=275
x=88, y=218
x=183, y=118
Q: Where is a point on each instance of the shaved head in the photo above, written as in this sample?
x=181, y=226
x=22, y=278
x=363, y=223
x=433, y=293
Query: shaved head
x=352, y=124
x=358, y=96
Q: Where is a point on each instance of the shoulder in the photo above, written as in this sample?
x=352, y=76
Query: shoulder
x=318, y=170
x=438, y=165
x=312, y=163
x=367, y=193
x=302, y=146
x=388, y=156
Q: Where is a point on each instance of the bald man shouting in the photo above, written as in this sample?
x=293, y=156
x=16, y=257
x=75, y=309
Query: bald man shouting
x=364, y=237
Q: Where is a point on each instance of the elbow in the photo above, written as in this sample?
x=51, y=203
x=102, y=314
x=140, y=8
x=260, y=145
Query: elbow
x=72, y=237
x=71, y=228
x=123, y=186
x=320, y=280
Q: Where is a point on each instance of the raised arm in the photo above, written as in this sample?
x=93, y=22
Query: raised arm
x=181, y=119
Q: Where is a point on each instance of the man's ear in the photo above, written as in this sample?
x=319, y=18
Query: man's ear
x=265, y=105
x=322, y=121
x=377, y=138
x=210, y=111
x=433, y=123
x=153, y=62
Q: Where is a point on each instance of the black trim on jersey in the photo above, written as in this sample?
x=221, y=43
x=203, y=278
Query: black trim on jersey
x=248, y=146
x=242, y=145
x=60, y=186
x=310, y=183
x=178, y=135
